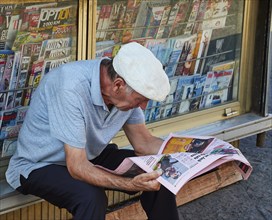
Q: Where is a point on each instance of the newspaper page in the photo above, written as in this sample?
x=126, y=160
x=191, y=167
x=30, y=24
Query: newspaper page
x=182, y=158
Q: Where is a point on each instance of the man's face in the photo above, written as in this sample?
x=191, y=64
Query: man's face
x=129, y=100
x=117, y=93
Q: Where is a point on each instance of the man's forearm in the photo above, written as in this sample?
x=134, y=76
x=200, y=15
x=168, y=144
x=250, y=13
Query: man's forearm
x=149, y=147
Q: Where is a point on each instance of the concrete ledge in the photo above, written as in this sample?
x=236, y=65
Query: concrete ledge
x=234, y=128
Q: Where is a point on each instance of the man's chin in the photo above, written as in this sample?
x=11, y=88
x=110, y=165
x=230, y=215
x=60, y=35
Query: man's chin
x=124, y=109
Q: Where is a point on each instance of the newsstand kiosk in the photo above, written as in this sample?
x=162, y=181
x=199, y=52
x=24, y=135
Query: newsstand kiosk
x=215, y=53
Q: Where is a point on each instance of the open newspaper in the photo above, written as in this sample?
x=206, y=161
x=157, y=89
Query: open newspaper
x=182, y=158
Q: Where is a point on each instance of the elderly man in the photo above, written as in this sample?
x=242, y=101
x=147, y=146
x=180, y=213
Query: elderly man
x=74, y=114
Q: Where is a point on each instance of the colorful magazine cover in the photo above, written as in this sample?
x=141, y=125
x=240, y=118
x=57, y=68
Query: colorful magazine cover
x=50, y=17
x=216, y=88
x=186, y=58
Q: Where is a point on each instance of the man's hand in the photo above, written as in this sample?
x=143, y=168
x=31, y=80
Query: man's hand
x=147, y=181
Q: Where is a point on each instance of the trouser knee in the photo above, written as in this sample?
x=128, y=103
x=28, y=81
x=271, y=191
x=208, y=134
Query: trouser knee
x=91, y=206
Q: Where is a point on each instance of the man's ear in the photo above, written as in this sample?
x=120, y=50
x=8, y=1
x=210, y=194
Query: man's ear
x=118, y=85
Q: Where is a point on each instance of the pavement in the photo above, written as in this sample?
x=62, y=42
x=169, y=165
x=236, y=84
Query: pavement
x=244, y=200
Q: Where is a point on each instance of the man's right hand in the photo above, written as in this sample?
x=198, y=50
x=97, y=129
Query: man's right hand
x=147, y=181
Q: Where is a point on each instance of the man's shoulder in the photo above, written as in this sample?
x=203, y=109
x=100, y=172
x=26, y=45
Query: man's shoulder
x=80, y=64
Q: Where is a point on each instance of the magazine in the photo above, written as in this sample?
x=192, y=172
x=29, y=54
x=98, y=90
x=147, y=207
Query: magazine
x=174, y=52
x=116, y=16
x=53, y=63
x=50, y=17
x=186, y=56
x=192, y=18
x=216, y=14
x=53, y=44
x=182, y=158
x=15, y=70
x=180, y=93
x=216, y=88
x=4, y=81
x=8, y=147
x=176, y=24
x=156, y=11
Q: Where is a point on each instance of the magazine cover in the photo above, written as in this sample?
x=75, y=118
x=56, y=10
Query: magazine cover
x=50, y=64
x=8, y=118
x=13, y=27
x=23, y=74
x=129, y=20
x=163, y=22
x=104, y=48
x=9, y=147
x=167, y=104
x=21, y=113
x=62, y=31
x=31, y=15
x=202, y=51
x=57, y=53
x=32, y=81
x=10, y=131
x=105, y=22
x=183, y=106
x=178, y=95
x=52, y=44
x=140, y=19
x=5, y=17
x=25, y=37
x=157, y=47
x=155, y=111
x=3, y=61
x=175, y=49
x=226, y=65
x=50, y=17
x=4, y=83
x=200, y=16
x=147, y=110
x=116, y=16
x=155, y=13
x=220, y=50
x=176, y=22
x=216, y=88
x=199, y=82
x=216, y=14
x=192, y=18
x=16, y=69
x=186, y=58
x=100, y=19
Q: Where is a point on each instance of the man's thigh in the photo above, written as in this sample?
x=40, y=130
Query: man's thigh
x=111, y=157
x=55, y=184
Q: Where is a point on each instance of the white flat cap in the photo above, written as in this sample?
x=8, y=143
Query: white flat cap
x=142, y=71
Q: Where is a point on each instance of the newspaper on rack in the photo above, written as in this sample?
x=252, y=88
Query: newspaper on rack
x=182, y=158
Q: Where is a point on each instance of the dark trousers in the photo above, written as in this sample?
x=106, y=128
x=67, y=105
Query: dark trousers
x=54, y=184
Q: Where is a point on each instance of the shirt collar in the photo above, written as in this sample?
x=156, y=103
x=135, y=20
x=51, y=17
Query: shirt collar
x=96, y=87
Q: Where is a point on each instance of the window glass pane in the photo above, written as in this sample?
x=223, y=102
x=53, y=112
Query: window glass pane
x=34, y=38
x=197, y=41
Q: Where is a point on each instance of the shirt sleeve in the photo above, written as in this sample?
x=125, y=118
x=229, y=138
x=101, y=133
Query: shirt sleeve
x=65, y=118
x=137, y=117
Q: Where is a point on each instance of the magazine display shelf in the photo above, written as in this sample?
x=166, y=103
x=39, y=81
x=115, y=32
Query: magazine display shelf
x=163, y=118
x=239, y=116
